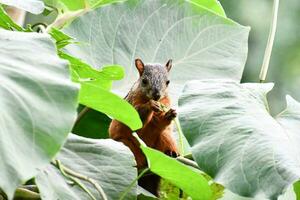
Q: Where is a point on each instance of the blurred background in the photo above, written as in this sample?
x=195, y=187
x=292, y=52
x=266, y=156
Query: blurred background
x=284, y=68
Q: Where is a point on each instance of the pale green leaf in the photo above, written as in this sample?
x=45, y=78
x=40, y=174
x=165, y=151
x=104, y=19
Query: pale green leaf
x=236, y=141
x=201, y=43
x=38, y=105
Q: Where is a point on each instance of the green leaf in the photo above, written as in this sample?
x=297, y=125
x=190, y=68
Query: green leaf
x=201, y=43
x=101, y=78
x=61, y=38
x=6, y=22
x=236, y=141
x=189, y=180
x=74, y=5
x=33, y=6
x=99, y=99
x=213, y=5
x=109, y=163
x=38, y=105
x=93, y=124
x=297, y=189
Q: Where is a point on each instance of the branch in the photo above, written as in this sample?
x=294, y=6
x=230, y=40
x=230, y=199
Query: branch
x=268, y=51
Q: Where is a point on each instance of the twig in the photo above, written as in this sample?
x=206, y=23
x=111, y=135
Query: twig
x=123, y=195
x=81, y=114
x=268, y=51
x=85, y=178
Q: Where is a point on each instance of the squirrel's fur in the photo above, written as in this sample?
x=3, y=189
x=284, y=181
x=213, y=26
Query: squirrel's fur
x=156, y=132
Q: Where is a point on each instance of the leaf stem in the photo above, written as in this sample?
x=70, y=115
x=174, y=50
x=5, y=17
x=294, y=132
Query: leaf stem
x=74, y=176
x=188, y=162
x=88, y=179
x=180, y=135
x=268, y=51
x=132, y=183
x=62, y=169
x=81, y=114
x=23, y=193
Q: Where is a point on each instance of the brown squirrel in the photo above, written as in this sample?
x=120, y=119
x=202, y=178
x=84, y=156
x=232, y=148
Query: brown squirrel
x=146, y=95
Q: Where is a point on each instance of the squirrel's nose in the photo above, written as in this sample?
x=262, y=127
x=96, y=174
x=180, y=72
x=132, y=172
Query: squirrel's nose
x=156, y=95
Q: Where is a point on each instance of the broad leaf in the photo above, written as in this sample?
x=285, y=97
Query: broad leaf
x=235, y=140
x=33, y=6
x=201, y=43
x=38, y=105
x=109, y=163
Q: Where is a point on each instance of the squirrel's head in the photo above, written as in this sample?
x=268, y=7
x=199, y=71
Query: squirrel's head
x=154, y=79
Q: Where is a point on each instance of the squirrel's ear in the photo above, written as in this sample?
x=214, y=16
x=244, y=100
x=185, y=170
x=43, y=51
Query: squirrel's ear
x=139, y=65
x=169, y=65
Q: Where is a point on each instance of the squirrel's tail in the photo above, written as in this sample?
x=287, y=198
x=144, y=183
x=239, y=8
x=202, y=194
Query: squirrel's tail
x=150, y=182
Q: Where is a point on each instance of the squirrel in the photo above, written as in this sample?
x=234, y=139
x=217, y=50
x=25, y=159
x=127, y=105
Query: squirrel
x=146, y=96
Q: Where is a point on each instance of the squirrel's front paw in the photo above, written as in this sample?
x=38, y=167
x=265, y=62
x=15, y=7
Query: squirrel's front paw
x=171, y=114
x=172, y=154
x=155, y=106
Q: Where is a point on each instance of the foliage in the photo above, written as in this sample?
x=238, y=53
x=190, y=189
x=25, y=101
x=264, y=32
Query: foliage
x=198, y=41
x=178, y=174
x=244, y=135
x=90, y=158
x=233, y=138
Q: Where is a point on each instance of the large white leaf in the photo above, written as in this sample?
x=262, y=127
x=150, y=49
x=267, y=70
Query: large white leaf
x=109, y=163
x=38, y=105
x=201, y=43
x=235, y=140
x=33, y=6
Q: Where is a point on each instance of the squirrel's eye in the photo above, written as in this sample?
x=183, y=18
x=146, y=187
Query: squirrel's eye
x=145, y=81
x=168, y=82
